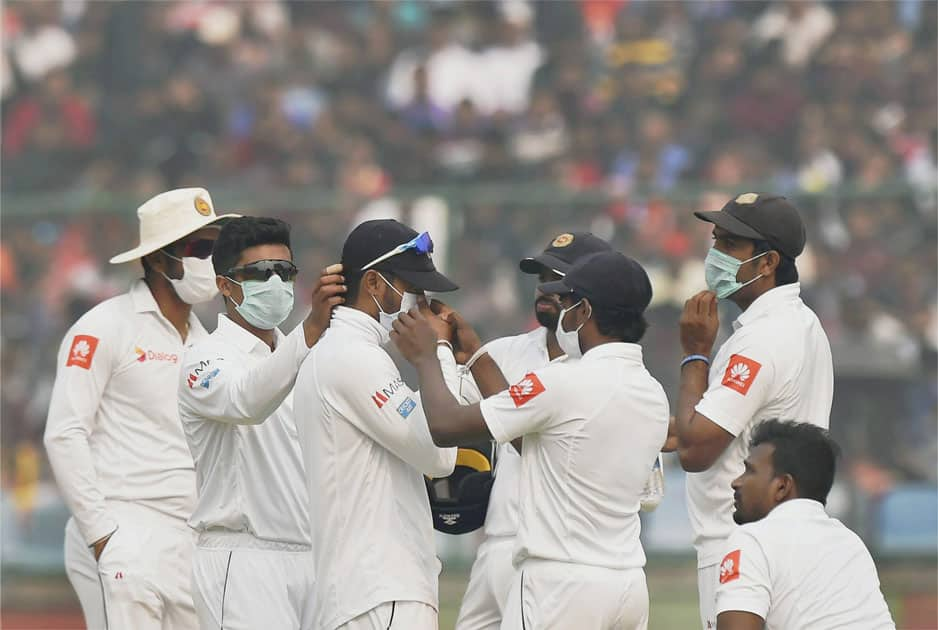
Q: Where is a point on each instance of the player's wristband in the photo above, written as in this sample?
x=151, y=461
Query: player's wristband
x=444, y=342
x=695, y=357
x=475, y=357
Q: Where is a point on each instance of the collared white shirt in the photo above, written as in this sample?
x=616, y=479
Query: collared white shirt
x=236, y=405
x=366, y=447
x=800, y=569
x=592, y=430
x=777, y=364
x=113, y=430
x=516, y=356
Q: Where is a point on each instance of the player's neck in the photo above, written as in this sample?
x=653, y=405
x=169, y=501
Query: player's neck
x=553, y=348
x=170, y=305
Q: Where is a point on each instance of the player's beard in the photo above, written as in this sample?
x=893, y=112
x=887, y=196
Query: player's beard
x=547, y=319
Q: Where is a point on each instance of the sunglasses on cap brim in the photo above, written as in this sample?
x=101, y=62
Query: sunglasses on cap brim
x=422, y=244
x=263, y=269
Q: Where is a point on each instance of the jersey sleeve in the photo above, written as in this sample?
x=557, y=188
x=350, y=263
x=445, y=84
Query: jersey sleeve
x=86, y=360
x=379, y=403
x=531, y=405
x=740, y=384
x=744, y=581
x=212, y=388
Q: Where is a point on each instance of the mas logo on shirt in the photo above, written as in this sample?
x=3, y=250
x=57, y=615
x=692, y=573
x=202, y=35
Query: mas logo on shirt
x=383, y=395
x=729, y=568
x=406, y=407
x=82, y=351
x=202, y=375
x=740, y=373
x=526, y=389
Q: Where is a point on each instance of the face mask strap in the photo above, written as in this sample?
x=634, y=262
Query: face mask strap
x=563, y=314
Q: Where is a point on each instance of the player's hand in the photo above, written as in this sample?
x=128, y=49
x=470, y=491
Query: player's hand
x=699, y=324
x=414, y=336
x=443, y=328
x=465, y=340
x=99, y=545
x=327, y=294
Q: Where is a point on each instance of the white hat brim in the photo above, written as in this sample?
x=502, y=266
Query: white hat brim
x=151, y=246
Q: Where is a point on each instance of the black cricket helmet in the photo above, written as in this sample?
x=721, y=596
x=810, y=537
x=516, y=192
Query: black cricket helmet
x=460, y=501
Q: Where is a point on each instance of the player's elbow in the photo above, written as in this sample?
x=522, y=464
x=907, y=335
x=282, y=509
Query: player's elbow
x=443, y=437
x=693, y=459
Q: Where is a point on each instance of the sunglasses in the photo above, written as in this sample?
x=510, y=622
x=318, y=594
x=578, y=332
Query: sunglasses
x=422, y=244
x=196, y=248
x=263, y=269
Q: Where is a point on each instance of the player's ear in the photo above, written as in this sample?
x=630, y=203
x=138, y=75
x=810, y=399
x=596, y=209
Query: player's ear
x=784, y=487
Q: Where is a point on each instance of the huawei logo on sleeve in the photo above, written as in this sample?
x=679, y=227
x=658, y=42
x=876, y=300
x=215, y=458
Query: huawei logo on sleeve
x=526, y=389
x=741, y=373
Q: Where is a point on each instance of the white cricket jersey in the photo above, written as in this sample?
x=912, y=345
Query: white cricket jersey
x=800, y=569
x=592, y=430
x=113, y=430
x=776, y=365
x=237, y=410
x=366, y=447
x=516, y=356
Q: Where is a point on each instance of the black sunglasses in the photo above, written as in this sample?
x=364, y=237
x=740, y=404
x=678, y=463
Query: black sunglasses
x=263, y=269
x=196, y=248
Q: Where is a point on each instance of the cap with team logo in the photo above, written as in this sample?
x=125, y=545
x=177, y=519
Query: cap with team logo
x=563, y=251
x=762, y=217
x=609, y=280
x=168, y=217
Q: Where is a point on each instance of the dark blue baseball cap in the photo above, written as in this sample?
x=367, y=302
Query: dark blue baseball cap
x=609, y=280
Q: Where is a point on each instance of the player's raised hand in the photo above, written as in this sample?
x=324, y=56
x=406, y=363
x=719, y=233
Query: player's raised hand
x=700, y=323
x=465, y=339
x=327, y=294
x=414, y=336
x=441, y=326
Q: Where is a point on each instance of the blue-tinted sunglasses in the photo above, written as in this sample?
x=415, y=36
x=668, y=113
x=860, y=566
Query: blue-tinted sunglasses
x=422, y=244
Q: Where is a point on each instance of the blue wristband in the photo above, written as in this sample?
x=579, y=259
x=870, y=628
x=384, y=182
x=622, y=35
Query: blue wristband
x=695, y=357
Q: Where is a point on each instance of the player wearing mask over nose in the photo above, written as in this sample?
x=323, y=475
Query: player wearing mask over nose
x=366, y=445
x=113, y=434
x=253, y=563
x=776, y=364
x=578, y=558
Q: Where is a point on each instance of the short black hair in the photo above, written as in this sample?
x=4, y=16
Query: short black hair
x=241, y=233
x=786, y=272
x=804, y=451
x=629, y=327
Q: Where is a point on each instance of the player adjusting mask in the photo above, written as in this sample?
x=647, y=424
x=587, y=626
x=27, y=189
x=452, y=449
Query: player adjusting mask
x=197, y=284
x=266, y=303
x=569, y=340
x=720, y=271
x=408, y=301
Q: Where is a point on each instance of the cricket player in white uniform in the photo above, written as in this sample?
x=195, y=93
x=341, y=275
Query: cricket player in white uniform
x=113, y=433
x=791, y=565
x=253, y=564
x=776, y=364
x=578, y=558
x=366, y=444
x=492, y=572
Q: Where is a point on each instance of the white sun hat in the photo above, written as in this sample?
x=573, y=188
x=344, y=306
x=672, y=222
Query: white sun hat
x=168, y=217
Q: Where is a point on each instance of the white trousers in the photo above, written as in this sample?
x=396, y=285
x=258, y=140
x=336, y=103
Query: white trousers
x=396, y=616
x=549, y=595
x=489, y=584
x=141, y=581
x=708, y=578
x=241, y=583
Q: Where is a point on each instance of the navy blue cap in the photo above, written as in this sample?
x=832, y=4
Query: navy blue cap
x=609, y=280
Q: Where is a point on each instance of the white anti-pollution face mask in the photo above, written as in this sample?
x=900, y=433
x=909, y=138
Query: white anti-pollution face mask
x=569, y=340
x=197, y=284
x=408, y=301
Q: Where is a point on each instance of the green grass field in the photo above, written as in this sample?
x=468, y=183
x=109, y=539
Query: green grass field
x=31, y=602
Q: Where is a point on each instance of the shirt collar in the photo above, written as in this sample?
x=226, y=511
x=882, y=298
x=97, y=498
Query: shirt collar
x=243, y=339
x=769, y=302
x=619, y=350
x=798, y=508
x=360, y=323
x=141, y=297
x=144, y=302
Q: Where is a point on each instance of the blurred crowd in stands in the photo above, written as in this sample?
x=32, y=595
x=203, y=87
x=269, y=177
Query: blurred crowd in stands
x=638, y=111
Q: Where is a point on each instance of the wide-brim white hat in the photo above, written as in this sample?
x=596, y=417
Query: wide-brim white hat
x=168, y=217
